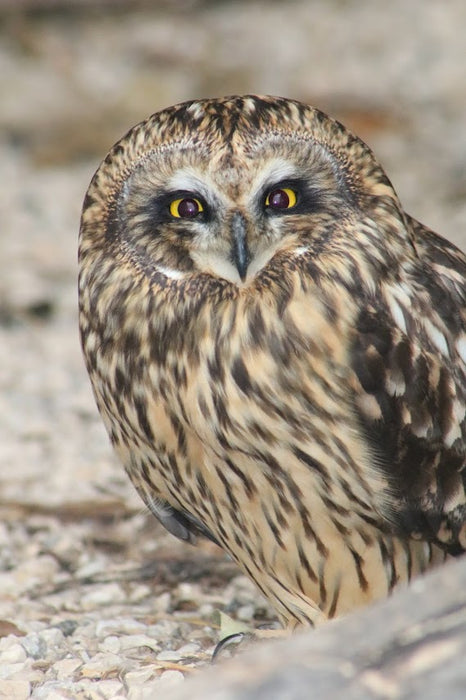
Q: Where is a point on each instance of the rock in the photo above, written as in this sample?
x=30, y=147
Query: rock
x=111, y=644
x=15, y=690
x=14, y=653
x=103, y=664
x=67, y=627
x=168, y=679
x=103, y=594
x=66, y=667
x=134, y=641
x=411, y=646
x=35, y=645
x=168, y=655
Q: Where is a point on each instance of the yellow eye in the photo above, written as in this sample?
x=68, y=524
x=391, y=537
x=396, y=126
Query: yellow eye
x=185, y=208
x=281, y=198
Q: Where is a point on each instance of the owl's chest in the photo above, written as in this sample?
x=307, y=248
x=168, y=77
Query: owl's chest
x=252, y=400
x=240, y=369
x=234, y=372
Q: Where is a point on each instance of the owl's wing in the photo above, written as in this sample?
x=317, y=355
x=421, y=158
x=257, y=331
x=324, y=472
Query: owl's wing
x=409, y=354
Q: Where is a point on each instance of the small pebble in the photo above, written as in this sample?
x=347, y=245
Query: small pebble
x=186, y=591
x=245, y=613
x=149, y=691
x=139, y=676
x=138, y=640
x=139, y=593
x=111, y=644
x=66, y=667
x=15, y=690
x=169, y=678
x=52, y=636
x=163, y=602
x=100, y=665
x=35, y=645
x=122, y=625
x=111, y=689
x=90, y=568
x=168, y=655
x=67, y=627
x=163, y=630
x=104, y=594
x=14, y=654
x=187, y=649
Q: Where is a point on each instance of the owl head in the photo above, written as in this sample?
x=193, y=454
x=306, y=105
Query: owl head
x=220, y=187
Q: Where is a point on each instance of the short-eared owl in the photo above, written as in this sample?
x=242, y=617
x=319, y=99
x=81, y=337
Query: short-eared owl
x=277, y=349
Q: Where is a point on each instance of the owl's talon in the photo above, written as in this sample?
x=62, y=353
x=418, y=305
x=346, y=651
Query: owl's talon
x=224, y=644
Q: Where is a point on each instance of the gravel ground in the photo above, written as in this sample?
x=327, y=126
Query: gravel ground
x=96, y=601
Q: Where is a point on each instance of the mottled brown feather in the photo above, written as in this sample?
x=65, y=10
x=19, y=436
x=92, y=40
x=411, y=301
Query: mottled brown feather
x=307, y=414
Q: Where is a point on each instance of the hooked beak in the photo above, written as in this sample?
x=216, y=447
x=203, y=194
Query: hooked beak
x=239, y=255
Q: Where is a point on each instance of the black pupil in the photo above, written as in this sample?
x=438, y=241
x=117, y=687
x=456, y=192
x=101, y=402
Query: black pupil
x=278, y=199
x=188, y=208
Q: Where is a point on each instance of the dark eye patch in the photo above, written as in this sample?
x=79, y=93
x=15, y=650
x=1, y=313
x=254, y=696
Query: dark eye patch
x=160, y=207
x=308, y=199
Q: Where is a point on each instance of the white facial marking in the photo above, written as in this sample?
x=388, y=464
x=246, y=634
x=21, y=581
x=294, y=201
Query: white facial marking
x=186, y=179
x=274, y=171
x=218, y=265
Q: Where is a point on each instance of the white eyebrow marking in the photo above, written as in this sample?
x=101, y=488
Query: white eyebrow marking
x=186, y=179
x=274, y=171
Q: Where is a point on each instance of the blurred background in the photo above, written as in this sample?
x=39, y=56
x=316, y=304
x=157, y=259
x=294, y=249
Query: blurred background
x=74, y=76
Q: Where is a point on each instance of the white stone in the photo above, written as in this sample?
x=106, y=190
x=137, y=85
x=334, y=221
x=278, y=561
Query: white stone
x=13, y=654
x=66, y=667
x=15, y=690
x=144, y=692
x=100, y=664
x=245, y=613
x=34, y=645
x=111, y=689
x=90, y=568
x=139, y=593
x=168, y=655
x=53, y=637
x=190, y=648
x=125, y=625
x=11, y=671
x=7, y=642
x=111, y=644
x=169, y=678
x=162, y=602
x=157, y=688
x=138, y=640
x=138, y=676
x=104, y=594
